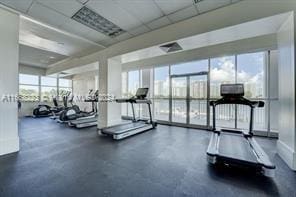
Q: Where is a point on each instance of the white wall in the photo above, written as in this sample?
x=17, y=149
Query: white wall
x=81, y=85
x=286, y=143
x=114, y=88
x=9, y=56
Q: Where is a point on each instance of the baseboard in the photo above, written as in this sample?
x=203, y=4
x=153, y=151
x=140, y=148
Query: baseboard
x=9, y=146
x=287, y=154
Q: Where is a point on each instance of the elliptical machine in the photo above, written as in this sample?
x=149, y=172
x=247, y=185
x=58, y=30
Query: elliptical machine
x=74, y=112
x=43, y=110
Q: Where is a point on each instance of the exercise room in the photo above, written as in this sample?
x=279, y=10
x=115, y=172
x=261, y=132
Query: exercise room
x=147, y=98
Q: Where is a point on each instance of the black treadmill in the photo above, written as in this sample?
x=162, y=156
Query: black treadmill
x=136, y=125
x=235, y=147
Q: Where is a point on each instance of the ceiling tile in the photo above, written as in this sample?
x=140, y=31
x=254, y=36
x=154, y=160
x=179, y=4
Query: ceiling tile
x=145, y=11
x=65, y=7
x=47, y=15
x=208, y=5
x=108, y=42
x=50, y=39
x=183, y=14
x=22, y=5
x=74, y=27
x=123, y=36
x=95, y=36
x=163, y=21
x=139, y=30
x=36, y=57
x=170, y=6
x=114, y=13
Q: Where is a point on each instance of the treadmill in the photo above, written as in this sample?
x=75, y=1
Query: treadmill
x=235, y=147
x=136, y=126
x=87, y=121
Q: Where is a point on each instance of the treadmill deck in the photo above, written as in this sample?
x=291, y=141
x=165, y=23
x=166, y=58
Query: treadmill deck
x=119, y=129
x=236, y=147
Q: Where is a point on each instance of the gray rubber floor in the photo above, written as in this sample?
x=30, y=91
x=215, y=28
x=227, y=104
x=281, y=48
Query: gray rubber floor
x=59, y=161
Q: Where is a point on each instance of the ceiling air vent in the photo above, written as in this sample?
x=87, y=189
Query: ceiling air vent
x=171, y=47
x=95, y=21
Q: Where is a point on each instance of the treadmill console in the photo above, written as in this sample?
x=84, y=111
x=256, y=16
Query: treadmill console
x=232, y=90
x=142, y=93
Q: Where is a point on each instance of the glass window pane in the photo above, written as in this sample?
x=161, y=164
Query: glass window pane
x=198, y=100
x=243, y=117
x=29, y=93
x=48, y=81
x=124, y=93
x=161, y=93
x=250, y=72
x=47, y=93
x=179, y=93
x=28, y=79
x=65, y=83
x=222, y=72
x=190, y=67
x=133, y=82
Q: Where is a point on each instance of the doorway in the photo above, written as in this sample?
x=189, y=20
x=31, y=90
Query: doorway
x=189, y=96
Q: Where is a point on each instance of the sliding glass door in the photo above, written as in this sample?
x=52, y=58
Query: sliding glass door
x=189, y=99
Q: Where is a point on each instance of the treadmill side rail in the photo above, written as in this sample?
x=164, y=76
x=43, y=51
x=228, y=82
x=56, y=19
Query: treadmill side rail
x=212, y=150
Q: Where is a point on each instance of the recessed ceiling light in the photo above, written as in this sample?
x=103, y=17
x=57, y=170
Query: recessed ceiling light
x=95, y=21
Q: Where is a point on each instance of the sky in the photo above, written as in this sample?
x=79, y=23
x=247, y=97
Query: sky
x=250, y=68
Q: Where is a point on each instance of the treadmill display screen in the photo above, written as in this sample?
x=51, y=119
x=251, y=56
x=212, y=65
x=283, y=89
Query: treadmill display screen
x=232, y=90
x=142, y=93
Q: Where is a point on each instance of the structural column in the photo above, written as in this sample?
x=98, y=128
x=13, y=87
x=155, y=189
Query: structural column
x=109, y=84
x=286, y=145
x=9, y=37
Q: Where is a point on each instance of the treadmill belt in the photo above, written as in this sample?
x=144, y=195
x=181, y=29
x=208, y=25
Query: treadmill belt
x=236, y=147
x=123, y=128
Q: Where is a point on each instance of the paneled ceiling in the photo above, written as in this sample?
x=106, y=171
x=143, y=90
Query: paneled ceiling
x=134, y=16
x=56, y=32
x=264, y=26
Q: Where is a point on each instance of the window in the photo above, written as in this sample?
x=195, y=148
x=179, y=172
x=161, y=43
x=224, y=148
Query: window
x=28, y=79
x=124, y=93
x=190, y=67
x=161, y=93
x=47, y=93
x=222, y=71
x=133, y=85
x=29, y=93
x=48, y=81
x=28, y=89
x=65, y=85
x=251, y=72
x=48, y=88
